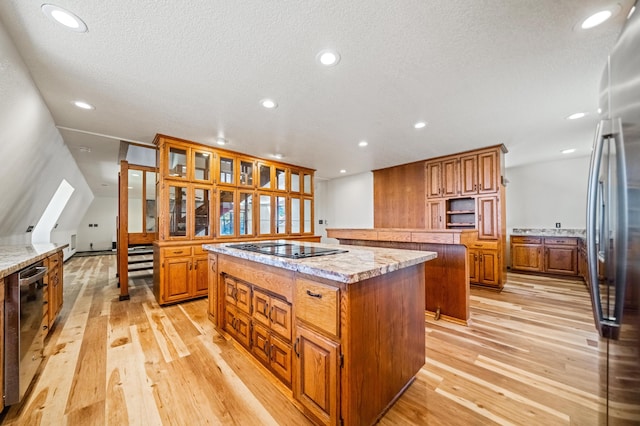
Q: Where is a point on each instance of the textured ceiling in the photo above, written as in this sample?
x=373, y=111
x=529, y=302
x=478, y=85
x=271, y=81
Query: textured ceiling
x=479, y=72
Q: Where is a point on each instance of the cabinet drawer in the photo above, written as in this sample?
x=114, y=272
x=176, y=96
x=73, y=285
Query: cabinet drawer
x=485, y=245
x=176, y=251
x=317, y=304
x=516, y=239
x=567, y=241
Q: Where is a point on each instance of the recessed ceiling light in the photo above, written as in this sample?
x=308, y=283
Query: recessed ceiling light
x=83, y=105
x=328, y=57
x=64, y=17
x=221, y=141
x=278, y=156
x=568, y=151
x=633, y=9
x=84, y=149
x=596, y=19
x=363, y=143
x=343, y=171
x=268, y=103
x=420, y=125
x=576, y=115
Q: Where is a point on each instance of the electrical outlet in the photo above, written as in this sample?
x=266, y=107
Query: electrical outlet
x=557, y=224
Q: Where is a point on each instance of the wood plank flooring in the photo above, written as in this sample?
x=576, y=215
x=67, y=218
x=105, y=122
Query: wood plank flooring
x=530, y=356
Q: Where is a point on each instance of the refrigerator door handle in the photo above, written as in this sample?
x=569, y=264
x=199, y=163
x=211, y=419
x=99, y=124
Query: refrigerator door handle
x=607, y=326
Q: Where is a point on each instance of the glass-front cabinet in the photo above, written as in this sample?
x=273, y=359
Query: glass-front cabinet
x=226, y=213
x=206, y=194
x=246, y=169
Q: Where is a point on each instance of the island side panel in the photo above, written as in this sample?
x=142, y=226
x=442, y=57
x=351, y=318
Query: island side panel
x=383, y=333
x=446, y=277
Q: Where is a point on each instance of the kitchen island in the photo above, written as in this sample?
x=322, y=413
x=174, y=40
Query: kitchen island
x=343, y=332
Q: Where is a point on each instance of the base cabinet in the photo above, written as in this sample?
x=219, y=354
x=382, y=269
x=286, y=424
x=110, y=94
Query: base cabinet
x=553, y=255
x=54, y=281
x=182, y=273
x=484, y=267
x=316, y=384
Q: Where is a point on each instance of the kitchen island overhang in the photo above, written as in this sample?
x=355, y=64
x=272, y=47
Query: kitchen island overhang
x=344, y=332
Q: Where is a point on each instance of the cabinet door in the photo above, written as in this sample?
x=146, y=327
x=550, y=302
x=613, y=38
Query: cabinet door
x=488, y=172
x=469, y=174
x=242, y=329
x=487, y=218
x=176, y=283
x=200, y=276
x=280, y=318
x=261, y=306
x=450, y=177
x=316, y=379
x=526, y=257
x=243, y=297
x=435, y=213
x=474, y=263
x=212, y=279
x=561, y=260
x=433, y=184
x=229, y=290
x=260, y=344
x=280, y=359
x=489, y=267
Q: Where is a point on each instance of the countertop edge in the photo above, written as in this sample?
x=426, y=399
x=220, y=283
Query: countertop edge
x=23, y=263
x=299, y=265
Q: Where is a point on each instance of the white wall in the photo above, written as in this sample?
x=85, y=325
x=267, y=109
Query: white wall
x=34, y=157
x=348, y=203
x=103, y=212
x=541, y=194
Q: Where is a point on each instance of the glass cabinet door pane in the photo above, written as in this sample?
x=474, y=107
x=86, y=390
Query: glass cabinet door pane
x=281, y=215
x=265, y=176
x=246, y=173
x=246, y=213
x=226, y=213
x=307, y=184
x=202, y=166
x=135, y=201
x=226, y=170
x=150, y=201
x=202, y=201
x=281, y=179
x=177, y=162
x=295, y=215
x=295, y=182
x=307, y=216
x=265, y=214
x=177, y=211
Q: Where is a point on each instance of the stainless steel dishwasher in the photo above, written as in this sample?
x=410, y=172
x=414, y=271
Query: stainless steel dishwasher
x=25, y=328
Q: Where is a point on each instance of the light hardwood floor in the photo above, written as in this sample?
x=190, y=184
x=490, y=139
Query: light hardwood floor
x=530, y=356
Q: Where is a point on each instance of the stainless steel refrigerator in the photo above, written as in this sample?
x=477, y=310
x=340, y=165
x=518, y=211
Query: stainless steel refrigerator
x=613, y=229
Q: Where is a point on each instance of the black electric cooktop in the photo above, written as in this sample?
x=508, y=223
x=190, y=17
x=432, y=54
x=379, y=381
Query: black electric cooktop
x=288, y=250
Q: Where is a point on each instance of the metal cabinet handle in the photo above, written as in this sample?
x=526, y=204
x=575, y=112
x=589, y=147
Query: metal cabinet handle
x=295, y=347
x=270, y=314
x=316, y=295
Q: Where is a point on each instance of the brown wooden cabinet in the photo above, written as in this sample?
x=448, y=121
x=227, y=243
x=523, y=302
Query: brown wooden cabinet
x=436, y=214
x=54, y=281
x=526, y=253
x=316, y=384
x=2, y=339
x=553, y=255
x=207, y=195
x=443, y=178
x=485, y=265
x=181, y=273
x=488, y=218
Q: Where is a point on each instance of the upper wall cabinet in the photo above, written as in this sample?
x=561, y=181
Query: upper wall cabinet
x=471, y=173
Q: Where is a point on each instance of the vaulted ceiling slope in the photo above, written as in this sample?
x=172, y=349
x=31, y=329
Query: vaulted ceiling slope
x=35, y=159
x=478, y=72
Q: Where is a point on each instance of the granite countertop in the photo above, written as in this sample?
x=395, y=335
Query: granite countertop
x=16, y=257
x=357, y=264
x=550, y=232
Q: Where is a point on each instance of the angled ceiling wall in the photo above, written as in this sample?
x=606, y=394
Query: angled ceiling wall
x=33, y=156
